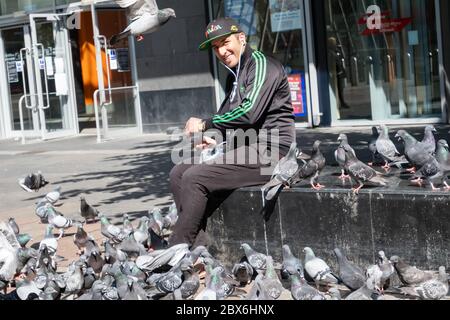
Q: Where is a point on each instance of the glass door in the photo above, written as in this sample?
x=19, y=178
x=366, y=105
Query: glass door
x=278, y=29
x=117, y=95
x=21, y=113
x=53, y=75
x=383, y=59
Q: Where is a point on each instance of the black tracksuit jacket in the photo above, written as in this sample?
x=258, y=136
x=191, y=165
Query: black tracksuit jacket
x=262, y=101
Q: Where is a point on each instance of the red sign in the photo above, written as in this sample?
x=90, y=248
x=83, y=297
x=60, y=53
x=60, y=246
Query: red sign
x=297, y=87
x=387, y=24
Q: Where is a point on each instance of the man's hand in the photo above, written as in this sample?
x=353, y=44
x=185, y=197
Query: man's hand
x=193, y=125
x=206, y=143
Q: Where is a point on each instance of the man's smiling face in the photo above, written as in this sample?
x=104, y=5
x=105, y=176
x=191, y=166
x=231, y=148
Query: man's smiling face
x=228, y=49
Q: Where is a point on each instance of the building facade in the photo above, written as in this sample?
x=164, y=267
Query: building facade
x=352, y=62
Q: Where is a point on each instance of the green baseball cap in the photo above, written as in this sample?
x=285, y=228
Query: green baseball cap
x=219, y=28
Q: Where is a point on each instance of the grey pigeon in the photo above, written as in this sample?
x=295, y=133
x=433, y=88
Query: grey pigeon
x=127, y=226
x=430, y=171
x=387, y=150
x=371, y=288
x=373, y=146
x=301, y=290
x=171, y=217
x=135, y=291
x=23, y=239
x=141, y=234
x=74, y=280
x=271, y=286
x=417, y=153
x=33, y=182
x=145, y=18
x=58, y=221
x=282, y=174
x=54, y=196
x=94, y=257
x=256, y=259
x=213, y=284
x=14, y=225
x=110, y=231
x=409, y=275
x=443, y=158
x=80, y=238
x=428, y=139
x=318, y=269
x=291, y=264
x=339, y=155
x=131, y=247
x=49, y=241
x=312, y=168
x=242, y=272
x=387, y=268
x=87, y=211
x=361, y=172
x=350, y=274
x=191, y=280
x=433, y=289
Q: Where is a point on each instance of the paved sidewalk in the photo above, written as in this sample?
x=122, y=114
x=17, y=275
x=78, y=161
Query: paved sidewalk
x=127, y=175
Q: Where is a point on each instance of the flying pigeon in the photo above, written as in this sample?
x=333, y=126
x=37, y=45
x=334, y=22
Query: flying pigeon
x=312, y=168
x=318, y=269
x=351, y=275
x=339, y=155
x=145, y=18
x=387, y=150
x=359, y=171
x=33, y=182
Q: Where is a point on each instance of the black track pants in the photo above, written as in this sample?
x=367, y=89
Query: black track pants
x=199, y=189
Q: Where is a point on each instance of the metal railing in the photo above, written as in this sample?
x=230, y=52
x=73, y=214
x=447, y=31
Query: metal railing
x=104, y=111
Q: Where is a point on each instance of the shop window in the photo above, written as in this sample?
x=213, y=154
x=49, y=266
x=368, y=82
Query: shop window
x=383, y=59
x=275, y=27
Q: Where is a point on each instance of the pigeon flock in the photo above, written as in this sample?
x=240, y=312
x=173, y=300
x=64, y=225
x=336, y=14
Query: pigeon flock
x=133, y=262
x=428, y=160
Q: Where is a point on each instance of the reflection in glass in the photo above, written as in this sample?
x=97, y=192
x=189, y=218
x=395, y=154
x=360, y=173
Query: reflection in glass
x=13, y=40
x=275, y=28
x=385, y=73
